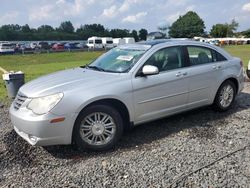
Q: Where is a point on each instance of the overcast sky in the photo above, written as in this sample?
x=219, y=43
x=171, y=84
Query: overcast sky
x=129, y=14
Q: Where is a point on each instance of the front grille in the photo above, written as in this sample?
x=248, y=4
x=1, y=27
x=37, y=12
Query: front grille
x=19, y=100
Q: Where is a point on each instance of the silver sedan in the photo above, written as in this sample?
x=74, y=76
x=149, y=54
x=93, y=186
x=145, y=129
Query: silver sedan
x=90, y=106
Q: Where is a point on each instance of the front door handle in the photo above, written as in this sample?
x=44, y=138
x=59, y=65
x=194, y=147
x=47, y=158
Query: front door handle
x=178, y=74
x=214, y=67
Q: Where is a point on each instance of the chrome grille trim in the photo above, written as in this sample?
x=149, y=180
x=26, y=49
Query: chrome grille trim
x=19, y=100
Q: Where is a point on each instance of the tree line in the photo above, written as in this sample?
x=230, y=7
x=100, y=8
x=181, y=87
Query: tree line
x=187, y=26
x=66, y=31
x=191, y=25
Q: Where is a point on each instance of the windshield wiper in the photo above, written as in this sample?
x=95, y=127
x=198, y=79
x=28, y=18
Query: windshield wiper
x=95, y=68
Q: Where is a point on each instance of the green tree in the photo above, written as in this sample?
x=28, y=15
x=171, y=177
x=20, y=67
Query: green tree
x=224, y=30
x=66, y=27
x=219, y=30
x=119, y=33
x=246, y=33
x=45, y=29
x=187, y=26
x=232, y=28
x=26, y=28
x=134, y=34
x=143, y=34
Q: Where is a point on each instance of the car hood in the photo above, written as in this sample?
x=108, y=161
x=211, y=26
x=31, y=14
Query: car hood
x=68, y=79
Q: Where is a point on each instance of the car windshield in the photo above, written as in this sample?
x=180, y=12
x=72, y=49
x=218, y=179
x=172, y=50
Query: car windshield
x=117, y=60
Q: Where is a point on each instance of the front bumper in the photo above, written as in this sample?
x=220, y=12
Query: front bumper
x=38, y=130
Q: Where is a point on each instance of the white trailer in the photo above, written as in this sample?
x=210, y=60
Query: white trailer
x=118, y=41
x=129, y=40
x=6, y=47
x=107, y=42
x=95, y=43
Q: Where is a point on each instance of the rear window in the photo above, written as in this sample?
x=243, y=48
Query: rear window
x=218, y=57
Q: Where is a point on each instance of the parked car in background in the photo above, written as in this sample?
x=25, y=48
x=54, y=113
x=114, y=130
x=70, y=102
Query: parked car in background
x=58, y=46
x=82, y=45
x=24, y=47
x=34, y=45
x=71, y=46
x=107, y=42
x=7, y=48
x=118, y=41
x=95, y=43
x=132, y=84
x=43, y=45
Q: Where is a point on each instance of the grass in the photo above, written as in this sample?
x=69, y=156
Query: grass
x=241, y=51
x=35, y=65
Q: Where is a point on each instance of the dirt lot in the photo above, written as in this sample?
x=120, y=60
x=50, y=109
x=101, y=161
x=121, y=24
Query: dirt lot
x=201, y=148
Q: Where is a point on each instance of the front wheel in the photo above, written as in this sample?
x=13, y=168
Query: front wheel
x=98, y=128
x=225, y=96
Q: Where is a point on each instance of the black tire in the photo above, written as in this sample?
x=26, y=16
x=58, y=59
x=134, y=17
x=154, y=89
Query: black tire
x=248, y=73
x=82, y=144
x=217, y=105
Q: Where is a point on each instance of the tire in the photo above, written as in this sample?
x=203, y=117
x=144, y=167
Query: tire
x=248, y=73
x=225, y=96
x=97, y=128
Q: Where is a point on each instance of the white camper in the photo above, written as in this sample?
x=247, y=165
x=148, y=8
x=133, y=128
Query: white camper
x=95, y=43
x=107, y=42
x=118, y=41
x=6, y=47
x=129, y=40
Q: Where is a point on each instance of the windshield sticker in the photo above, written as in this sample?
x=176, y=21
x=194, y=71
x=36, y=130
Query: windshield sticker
x=125, y=57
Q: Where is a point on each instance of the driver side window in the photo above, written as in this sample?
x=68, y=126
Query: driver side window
x=166, y=59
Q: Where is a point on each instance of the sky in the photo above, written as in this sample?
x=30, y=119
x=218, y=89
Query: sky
x=125, y=14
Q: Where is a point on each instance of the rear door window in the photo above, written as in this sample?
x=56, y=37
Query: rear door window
x=199, y=55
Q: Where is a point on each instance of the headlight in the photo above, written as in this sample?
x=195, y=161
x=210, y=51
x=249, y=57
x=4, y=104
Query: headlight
x=43, y=105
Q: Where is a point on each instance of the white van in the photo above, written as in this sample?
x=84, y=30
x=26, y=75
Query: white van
x=95, y=43
x=118, y=41
x=129, y=40
x=107, y=42
x=7, y=48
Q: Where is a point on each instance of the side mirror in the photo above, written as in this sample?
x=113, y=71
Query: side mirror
x=150, y=70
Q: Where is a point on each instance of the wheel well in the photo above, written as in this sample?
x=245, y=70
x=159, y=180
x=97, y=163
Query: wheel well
x=118, y=105
x=235, y=83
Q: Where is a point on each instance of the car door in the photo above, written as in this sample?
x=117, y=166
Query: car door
x=204, y=72
x=156, y=96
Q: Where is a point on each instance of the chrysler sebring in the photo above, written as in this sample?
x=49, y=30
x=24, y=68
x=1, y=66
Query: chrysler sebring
x=90, y=106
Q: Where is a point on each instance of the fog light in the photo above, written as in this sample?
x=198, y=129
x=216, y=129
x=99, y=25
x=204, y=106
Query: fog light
x=32, y=138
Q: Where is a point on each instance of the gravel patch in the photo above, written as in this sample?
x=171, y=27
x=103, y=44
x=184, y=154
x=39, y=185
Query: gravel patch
x=201, y=148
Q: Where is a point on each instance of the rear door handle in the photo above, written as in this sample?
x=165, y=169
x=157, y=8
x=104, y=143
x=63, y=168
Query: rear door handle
x=181, y=74
x=216, y=66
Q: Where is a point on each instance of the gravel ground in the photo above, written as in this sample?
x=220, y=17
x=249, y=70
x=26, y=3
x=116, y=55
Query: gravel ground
x=201, y=148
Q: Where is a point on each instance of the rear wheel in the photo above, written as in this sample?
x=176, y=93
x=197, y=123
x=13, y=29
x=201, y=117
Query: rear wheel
x=98, y=128
x=225, y=96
